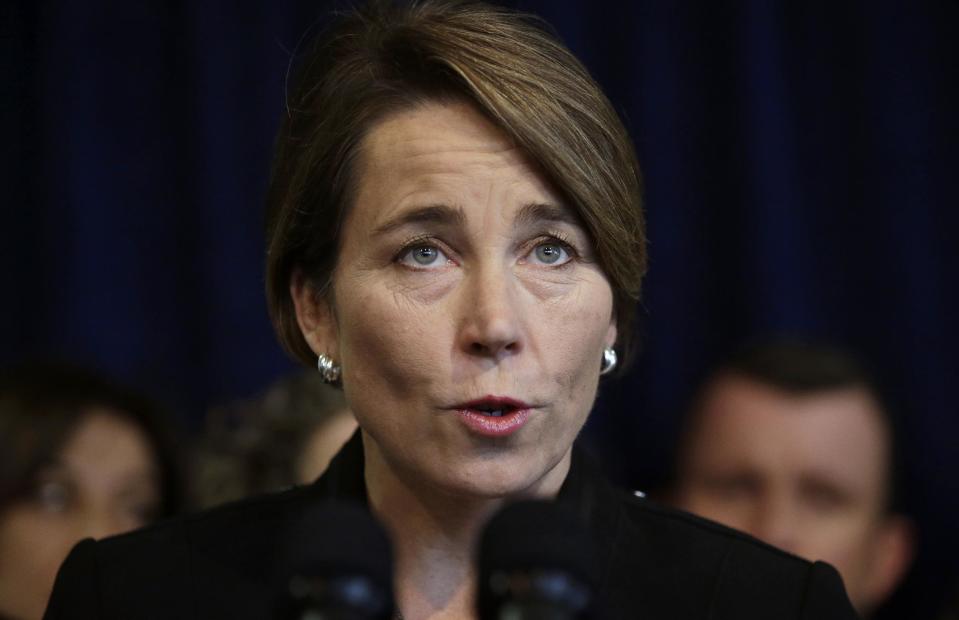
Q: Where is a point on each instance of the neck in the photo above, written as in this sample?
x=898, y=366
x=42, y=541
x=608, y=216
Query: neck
x=434, y=533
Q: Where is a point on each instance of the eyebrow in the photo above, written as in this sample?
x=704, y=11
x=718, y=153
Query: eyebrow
x=535, y=213
x=530, y=215
x=430, y=214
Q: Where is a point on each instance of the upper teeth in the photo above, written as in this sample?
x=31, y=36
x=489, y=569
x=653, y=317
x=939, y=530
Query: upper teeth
x=494, y=412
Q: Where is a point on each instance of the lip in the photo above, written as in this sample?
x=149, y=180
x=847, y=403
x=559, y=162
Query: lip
x=515, y=416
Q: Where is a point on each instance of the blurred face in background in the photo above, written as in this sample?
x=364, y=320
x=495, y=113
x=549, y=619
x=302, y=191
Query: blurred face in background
x=808, y=474
x=103, y=482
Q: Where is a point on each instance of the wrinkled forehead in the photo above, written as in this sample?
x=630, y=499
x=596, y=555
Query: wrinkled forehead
x=420, y=129
x=445, y=154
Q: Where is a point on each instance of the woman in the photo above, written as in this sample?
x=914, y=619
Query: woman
x=456, y=238
x=80, y=458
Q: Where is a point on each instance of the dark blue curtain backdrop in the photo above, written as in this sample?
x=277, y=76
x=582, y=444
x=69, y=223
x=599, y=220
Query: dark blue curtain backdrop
x=800, y=161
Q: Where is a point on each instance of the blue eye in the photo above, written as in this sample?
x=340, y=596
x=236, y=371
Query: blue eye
x=551, y=254
x=424, y=256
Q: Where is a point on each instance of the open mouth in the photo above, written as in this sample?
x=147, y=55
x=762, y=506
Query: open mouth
x=494, y=411
x=494, y=416
x=493, y=406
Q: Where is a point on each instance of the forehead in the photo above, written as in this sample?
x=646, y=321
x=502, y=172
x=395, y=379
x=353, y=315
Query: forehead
x=105, y=443
x=836, y=432
x=444, y=151
x=410, y=136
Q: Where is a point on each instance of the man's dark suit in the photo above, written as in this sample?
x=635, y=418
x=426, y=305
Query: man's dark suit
x=656, y=563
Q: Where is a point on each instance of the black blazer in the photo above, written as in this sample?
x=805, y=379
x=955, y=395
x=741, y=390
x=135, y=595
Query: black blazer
x=657, y=563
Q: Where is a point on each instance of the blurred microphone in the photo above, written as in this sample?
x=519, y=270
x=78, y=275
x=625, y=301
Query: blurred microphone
x=336, y=564
x=536, y=563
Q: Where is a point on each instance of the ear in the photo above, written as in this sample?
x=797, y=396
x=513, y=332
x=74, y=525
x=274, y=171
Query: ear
x=611, y=333
x=314, y=316
x=892, y=557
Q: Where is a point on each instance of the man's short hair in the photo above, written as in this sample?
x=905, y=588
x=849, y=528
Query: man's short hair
x=802, y=368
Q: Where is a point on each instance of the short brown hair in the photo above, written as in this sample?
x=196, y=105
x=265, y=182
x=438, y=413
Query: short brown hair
x=385, y=57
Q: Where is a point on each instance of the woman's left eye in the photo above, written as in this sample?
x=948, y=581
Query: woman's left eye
x=53, y=495
x=424, y=257
x=551, y=253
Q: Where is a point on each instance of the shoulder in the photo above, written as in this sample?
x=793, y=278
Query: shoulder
x=698, y=567
x=241, y=532
x=227, y=553
x=687, y=535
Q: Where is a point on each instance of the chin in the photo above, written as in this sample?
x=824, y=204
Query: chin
x=497, y=476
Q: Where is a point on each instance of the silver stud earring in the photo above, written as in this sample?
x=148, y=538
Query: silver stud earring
x=609, y=361
x=329, y=370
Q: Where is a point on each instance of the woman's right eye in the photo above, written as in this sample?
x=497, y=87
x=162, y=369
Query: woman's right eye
x=52, y=495
x=423, y=256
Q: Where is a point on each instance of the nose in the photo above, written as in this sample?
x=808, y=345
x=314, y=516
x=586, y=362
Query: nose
x=100, y=522
x=775, y=522
x=491, y=318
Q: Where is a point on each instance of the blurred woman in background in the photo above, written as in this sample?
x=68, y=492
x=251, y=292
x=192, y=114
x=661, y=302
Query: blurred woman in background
x=79, y=457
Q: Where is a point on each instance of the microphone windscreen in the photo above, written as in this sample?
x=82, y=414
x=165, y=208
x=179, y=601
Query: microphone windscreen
x=331, y=542
x=533, y=537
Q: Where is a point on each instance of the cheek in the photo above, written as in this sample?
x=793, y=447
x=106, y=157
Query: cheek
x=388, y=343
x=32, y=547
x=729, y=512
x=843, y=540
x=569, y=334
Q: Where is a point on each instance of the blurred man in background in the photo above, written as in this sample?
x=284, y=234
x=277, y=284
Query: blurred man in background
x=792, y=443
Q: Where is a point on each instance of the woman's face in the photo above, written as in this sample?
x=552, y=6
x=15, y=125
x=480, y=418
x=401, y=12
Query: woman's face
x=465, y=287
x=103, y=482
